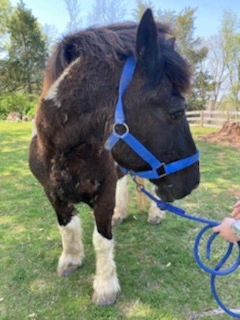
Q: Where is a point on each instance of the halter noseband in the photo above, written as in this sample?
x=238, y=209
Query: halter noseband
x=159, y=169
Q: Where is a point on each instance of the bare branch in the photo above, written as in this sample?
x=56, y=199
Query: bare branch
x=106, y=11
x=75, y=21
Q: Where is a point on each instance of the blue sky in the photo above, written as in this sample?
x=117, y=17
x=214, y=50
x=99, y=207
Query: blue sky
x=208, y=16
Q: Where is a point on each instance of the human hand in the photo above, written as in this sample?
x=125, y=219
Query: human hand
x=225, y=230
x=236, y=211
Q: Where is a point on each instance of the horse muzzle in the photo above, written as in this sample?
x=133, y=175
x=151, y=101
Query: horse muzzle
x=178, y=185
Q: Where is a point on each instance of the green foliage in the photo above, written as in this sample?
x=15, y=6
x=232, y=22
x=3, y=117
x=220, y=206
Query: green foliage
x=201, y=91
x=5, y=11
x=195, y=53
x=25, y=55
x=141, y=7
x=25, y=104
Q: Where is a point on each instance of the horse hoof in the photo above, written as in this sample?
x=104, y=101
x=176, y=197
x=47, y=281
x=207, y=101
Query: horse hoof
x=117, y=220
x=104, y=300
x=67, y=270
x=118, y=217
x=154, y=220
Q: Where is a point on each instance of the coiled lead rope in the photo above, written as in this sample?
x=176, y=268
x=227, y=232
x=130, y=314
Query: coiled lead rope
x=209, y=224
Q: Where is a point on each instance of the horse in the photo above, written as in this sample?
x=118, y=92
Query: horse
x=75, y=117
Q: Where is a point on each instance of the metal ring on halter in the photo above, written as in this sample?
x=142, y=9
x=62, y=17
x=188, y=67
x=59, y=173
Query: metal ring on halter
x=119, y=126
x=139, y=186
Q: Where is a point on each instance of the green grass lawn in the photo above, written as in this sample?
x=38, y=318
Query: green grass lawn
x=157, y=272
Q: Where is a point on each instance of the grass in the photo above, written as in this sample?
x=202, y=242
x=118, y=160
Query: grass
x=157, y=272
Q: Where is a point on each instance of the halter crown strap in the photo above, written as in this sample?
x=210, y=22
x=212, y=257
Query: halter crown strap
x=126, y=77
x=159, y=169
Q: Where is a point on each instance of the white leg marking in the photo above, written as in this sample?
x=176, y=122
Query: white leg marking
x=73, y=252
x=52, y=92
x=105, y=284
x=120, y=211
x=155, y=215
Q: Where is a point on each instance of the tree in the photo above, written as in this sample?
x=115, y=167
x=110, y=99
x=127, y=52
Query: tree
x=231, y=44
x=187, y=45
x=51, y=33
x=159, y=15
x=142, y=6
x=195, y=52
x=23, y=65
x=5, y=10
x=75, y=21
x=107, y=11
x=217, y=67
x=5, y=13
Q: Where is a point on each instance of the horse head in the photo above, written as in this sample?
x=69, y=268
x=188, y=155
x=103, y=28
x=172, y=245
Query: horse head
x=154, y=112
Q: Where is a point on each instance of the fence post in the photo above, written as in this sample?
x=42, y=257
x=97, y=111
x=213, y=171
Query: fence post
x=202, y=119
x=141, y=198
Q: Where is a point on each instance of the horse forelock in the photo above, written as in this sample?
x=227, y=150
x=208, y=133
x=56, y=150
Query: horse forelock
x=177, y=70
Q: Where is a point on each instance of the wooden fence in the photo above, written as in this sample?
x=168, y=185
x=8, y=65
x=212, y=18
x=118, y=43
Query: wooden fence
x=211, y=118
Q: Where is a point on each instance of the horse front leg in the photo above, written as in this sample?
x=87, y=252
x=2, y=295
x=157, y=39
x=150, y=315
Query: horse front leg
x=71, y=233
x=105, y=285
x=69, y=223
x=120, y=210
x=73, y=251
x=155, y=215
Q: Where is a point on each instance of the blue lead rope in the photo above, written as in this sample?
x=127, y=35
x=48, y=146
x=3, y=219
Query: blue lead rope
x=210, y=223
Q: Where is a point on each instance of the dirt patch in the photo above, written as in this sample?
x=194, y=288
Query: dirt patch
x=229, y=134
x=214, y=312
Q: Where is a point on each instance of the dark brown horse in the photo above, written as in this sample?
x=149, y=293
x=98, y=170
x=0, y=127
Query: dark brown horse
x=75, y=118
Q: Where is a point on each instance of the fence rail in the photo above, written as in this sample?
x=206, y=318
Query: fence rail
x=211, y=118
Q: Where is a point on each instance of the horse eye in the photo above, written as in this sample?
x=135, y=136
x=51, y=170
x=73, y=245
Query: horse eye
x=176, y=115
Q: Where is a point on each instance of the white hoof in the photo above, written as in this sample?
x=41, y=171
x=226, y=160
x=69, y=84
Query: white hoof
x=155, y=215
x=118, y=217
x=105, y=292
x=68, y=264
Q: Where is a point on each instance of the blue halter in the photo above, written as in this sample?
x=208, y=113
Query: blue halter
x=159, y=169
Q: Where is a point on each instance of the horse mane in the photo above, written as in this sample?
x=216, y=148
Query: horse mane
x=116, y=40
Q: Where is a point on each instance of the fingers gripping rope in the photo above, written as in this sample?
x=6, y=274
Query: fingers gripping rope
x=209, y=224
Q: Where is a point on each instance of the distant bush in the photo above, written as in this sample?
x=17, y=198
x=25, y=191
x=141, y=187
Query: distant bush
x=17, y=102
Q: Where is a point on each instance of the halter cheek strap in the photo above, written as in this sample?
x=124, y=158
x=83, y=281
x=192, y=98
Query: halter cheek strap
x=159, y=169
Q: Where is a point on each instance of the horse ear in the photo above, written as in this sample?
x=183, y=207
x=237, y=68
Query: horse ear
x=147, y=47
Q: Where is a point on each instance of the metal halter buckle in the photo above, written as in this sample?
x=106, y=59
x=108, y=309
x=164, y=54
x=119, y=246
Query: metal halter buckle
x=121, y=129
x=161, y=170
